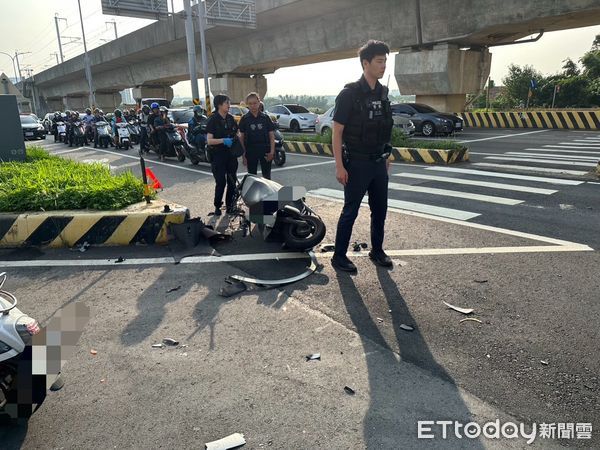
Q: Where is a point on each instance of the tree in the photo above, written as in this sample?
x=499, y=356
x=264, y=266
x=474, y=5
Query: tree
x=570, y=68
x=518, y=82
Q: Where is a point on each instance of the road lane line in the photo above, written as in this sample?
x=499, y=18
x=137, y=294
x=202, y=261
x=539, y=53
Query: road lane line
x=457, y=194
x=554, y=156
x=573, y=147
x=488, y=184
x=532, y=168
x=506, y=175
x=505, y=136
x=557, y=151
x=543, y=161
x=402, y=205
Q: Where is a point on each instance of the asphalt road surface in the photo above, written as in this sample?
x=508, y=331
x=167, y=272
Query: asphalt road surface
x=512, y=234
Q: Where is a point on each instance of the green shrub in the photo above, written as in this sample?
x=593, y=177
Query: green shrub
x=46, y=182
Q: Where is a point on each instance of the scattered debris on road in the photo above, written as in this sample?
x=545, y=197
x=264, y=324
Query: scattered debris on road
x=232, y=288
x=406, y=327
x=349, y=390
x=161, y=345
x=545, y=363
x=326, y=248
x=313, y=357
x=120, y=259
x=480, y=281
x=471, y=319
x=379, y=319
x=171, y=342
x=174, y=289
x=93, y=352
x=459, y=309
x=83, y=247
x=231, y=441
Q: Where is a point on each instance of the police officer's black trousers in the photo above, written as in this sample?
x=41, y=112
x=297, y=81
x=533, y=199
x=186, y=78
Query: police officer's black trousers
x=363, y=177
x=253, y=157
x=224, y=167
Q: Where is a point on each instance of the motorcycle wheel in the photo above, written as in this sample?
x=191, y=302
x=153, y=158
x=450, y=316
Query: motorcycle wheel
x=126, y=146
x=306, y=236
x=195, y=161
x=280, y=158
x=180, y=155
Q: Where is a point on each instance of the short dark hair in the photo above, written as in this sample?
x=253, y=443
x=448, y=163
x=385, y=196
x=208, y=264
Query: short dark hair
x=372, y=49
x=219, y=100
x=253, y=95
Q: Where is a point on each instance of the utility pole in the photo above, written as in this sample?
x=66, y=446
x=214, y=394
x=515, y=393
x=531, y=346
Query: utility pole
x=17, y=54
x=86, y=59
x=55, y=54
x=191, y=48
x=56, y=19
x=12, y=58
x=114, y=24
x=201, y=24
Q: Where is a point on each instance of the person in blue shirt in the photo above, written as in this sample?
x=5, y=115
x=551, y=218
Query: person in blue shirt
x=197, y=127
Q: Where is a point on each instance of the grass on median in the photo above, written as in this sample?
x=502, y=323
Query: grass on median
x=47, y=182
x=399, y=139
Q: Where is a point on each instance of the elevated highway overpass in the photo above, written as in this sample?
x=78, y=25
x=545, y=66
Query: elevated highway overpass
x=443, y=47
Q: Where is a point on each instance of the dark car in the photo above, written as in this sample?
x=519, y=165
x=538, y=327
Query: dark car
x=427, y=120
x=32, y=128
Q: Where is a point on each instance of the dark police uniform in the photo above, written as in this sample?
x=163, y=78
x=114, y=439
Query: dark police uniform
x=223, y=164
x=367, y=119
x=256, y=134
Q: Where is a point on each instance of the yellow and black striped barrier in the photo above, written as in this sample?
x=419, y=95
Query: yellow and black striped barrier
x=139, y=223
x=421, y=155
x=569, y=120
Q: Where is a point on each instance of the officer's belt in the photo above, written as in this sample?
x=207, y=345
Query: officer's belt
x=367, y=156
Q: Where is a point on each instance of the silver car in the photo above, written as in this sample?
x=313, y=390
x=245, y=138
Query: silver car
x=324, y=122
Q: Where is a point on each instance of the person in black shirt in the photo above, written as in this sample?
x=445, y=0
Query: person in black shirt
x=257, y=135
x=362, y=130
x=221, y=131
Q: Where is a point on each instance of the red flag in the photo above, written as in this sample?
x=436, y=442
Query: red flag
x=156, y=184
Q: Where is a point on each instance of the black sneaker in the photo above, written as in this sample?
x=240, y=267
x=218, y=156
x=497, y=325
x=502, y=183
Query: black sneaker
x=233, y=210
x=380, y=258
x=343, y=263
x=217, y=211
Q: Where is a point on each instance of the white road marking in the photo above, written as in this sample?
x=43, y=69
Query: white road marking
x=402, y=205
x=507, y=187
x=457, y=194
x=557, y=151
x=573, y=147
x=520, y=234
x=505, y=136
x=580, y=143
x=506, y=175
x=68, y=151
x=555, y=156
x=543, y=161
x=532, y=168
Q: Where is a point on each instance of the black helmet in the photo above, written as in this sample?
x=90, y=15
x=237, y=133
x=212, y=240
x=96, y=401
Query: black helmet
x=198, y=110
x=145, y=109
x=88, y=111
x=75, y=113
x=118, y=113
x=163, y=109
x=67, y=113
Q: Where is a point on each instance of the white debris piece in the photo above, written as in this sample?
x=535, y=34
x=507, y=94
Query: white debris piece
x=231, y=441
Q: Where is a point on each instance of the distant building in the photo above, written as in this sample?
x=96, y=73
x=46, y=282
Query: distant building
x=7, y=87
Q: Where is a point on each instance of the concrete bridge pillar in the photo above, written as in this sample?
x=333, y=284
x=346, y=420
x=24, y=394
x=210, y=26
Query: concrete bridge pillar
x=108, y=101
x=442, y=76
x=53, y=104
x=236, y=87
x=76, y=102
x=153, y=91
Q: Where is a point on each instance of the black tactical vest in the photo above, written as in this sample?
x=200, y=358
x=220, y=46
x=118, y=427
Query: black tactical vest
x=370, y=125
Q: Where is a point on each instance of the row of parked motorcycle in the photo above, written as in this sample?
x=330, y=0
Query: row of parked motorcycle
x=128, y=134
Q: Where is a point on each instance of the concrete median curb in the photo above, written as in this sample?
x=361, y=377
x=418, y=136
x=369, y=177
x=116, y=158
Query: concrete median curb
x=422, y=155
x=567, y=120
x=137, y=224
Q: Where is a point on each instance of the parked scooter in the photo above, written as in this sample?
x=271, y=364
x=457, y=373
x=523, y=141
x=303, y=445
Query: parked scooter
x=280, y=211
x=124, y=135
x=104, y=134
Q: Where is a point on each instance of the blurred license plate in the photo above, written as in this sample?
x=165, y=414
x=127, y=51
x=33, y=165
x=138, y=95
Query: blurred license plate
x=28, y=134
x=457, y=125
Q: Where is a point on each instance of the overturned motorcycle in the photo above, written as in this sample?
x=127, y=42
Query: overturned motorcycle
x=280, y=212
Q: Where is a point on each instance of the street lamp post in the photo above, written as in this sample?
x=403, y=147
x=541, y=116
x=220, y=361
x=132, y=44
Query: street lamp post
x=13, y=63
x=86, y=59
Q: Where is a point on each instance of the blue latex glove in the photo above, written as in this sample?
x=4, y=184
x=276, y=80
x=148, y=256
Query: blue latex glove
x=228, y=142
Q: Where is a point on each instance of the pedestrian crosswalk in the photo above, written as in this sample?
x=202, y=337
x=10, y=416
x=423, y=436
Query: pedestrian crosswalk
x=487, y=186
x=576, y=157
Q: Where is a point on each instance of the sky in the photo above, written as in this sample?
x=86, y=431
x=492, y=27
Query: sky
x=39, y=38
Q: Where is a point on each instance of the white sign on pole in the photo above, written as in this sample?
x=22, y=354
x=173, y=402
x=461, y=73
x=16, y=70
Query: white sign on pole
x=236, y=13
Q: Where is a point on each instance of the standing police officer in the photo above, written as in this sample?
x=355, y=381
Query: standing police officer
x=362, y=130
x=257, y=134
x=221, y=131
